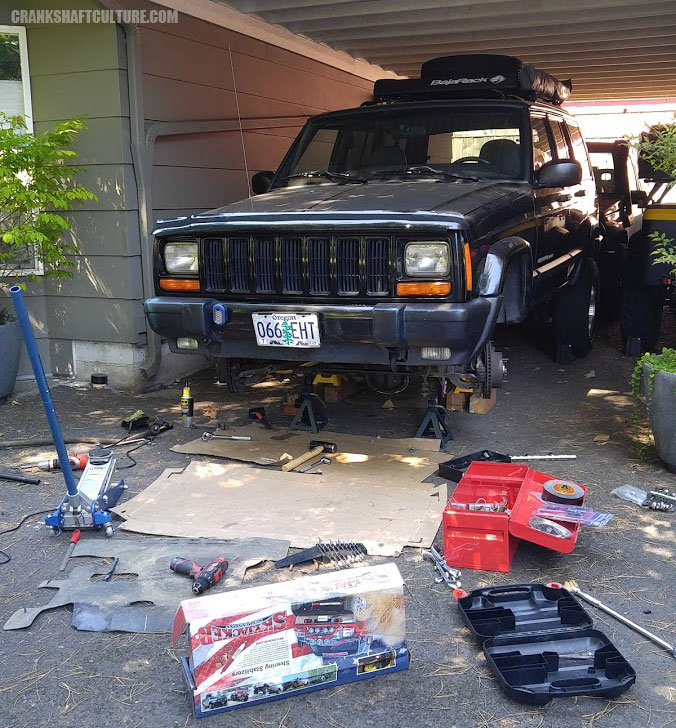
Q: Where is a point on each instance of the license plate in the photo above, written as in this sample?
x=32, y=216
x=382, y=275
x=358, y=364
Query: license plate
x=296, y=330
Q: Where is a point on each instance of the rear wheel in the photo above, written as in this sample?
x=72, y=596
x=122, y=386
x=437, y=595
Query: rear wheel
x=575, y=314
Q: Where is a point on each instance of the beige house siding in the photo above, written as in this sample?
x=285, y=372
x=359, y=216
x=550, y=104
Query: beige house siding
x=189, y=73
x=78, y=70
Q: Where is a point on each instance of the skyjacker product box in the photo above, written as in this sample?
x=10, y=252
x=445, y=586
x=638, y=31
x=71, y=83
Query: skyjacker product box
x=269, y=642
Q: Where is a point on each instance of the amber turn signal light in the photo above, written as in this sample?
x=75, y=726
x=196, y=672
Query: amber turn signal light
x=423, y=288
x=179, y=284
x=468, y=270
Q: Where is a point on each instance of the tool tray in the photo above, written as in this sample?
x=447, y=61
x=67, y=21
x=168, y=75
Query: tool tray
x=528, y=631
x=455, y=468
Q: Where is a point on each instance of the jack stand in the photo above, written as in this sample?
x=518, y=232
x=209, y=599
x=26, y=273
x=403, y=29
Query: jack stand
x=311, y=416
x=435, y=422
x=86, y=503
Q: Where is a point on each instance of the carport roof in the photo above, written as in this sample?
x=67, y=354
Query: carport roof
x=612, y=49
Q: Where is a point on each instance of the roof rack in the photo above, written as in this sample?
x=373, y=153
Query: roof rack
x=475, y=76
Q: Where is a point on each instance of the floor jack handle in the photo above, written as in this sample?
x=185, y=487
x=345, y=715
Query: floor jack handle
x=43, y=388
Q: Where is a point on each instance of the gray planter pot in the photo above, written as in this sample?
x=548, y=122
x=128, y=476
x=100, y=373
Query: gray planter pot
x=10, y=352
x=661, y=402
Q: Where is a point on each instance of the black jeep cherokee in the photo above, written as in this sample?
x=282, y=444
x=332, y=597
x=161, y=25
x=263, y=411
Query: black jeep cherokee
x=395, y=236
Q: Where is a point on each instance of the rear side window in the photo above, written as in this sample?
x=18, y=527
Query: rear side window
x=542, y=146
x=562, y=150
x=580, y=150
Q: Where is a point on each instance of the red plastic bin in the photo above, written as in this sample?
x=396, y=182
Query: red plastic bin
x=488, y=540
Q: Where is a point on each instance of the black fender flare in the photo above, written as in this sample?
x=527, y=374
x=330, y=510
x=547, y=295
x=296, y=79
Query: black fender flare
x=496, y=262
x=508, y=271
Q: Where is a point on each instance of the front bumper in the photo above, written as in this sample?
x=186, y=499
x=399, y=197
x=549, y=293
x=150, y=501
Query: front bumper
x=354, y=334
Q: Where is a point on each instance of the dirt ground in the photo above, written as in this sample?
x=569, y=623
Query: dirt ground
x=54, y=675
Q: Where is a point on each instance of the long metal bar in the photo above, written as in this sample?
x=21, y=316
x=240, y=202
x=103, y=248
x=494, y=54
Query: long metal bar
x=620, y=618
x=543, y=457
x=45, y=394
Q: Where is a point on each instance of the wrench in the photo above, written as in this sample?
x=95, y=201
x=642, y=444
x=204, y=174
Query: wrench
x=448, y=574
x=321, y=461
x=206, y=436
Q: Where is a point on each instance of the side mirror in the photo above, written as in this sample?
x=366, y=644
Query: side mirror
x=559, y=173
x=261, y=182
x=639, y=197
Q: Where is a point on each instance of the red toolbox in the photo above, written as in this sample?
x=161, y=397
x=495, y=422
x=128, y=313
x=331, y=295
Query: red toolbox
x=488, y=540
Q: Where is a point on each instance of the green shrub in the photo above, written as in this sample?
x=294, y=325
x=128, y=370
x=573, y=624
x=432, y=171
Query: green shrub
x=36, y=183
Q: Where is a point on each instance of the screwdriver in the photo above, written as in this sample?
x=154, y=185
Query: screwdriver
x=73, y=540
x=77, y=462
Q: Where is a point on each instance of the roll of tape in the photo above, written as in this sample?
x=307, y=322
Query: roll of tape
x=563, y=491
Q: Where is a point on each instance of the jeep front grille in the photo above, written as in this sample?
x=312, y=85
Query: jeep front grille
x=315, y=266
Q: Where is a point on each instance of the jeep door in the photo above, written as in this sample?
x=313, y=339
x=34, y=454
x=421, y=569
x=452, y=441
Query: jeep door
x=559, y=212
x=550, y=217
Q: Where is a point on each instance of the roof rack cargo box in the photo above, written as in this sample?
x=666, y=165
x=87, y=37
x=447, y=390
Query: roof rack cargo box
x=475, y=76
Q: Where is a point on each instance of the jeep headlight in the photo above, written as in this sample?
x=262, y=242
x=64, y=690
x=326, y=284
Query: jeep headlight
x=181, y=257
x=427, y=260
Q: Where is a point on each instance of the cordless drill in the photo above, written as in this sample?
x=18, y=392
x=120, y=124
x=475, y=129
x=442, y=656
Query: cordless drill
x=205, y=576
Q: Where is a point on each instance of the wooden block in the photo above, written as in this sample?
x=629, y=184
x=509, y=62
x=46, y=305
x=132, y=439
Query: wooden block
x=290, y=407
x=457, y=402
x=346, y=388
x=480, y=406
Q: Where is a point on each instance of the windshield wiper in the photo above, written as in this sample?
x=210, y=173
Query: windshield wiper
x=421, y=169
x=327, y=174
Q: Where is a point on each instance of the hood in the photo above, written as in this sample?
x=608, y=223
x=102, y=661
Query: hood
x=433, y=202
x=457, y=197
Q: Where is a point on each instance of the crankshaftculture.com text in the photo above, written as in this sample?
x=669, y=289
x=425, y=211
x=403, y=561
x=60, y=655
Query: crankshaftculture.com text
x=66, y=16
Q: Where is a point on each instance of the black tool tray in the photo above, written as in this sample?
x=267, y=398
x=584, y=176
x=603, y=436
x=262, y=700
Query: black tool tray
x=539, y=643
x=454, y=469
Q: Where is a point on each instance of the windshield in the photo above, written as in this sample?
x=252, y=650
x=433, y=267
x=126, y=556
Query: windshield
x=452, y=142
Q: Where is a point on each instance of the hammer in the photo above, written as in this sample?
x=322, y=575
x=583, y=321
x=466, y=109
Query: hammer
x=316, y=448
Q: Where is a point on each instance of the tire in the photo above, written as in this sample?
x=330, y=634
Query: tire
x=641, y=318
x=575, y=314
x=226, y=373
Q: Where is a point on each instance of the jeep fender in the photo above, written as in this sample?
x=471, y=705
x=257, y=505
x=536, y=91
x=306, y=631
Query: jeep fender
x=591, y=234
x=508, y=270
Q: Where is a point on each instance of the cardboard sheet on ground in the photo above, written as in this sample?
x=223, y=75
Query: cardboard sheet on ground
x=231, y=500
x=363, y=456
x=146, y=604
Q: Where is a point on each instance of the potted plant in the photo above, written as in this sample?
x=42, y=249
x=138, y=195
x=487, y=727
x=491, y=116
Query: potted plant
x=656, y=375
x=36, y=183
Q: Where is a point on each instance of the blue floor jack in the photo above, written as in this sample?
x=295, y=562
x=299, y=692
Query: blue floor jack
x=87, y=503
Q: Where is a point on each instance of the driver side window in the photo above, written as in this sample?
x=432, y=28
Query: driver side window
x=542, y=143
